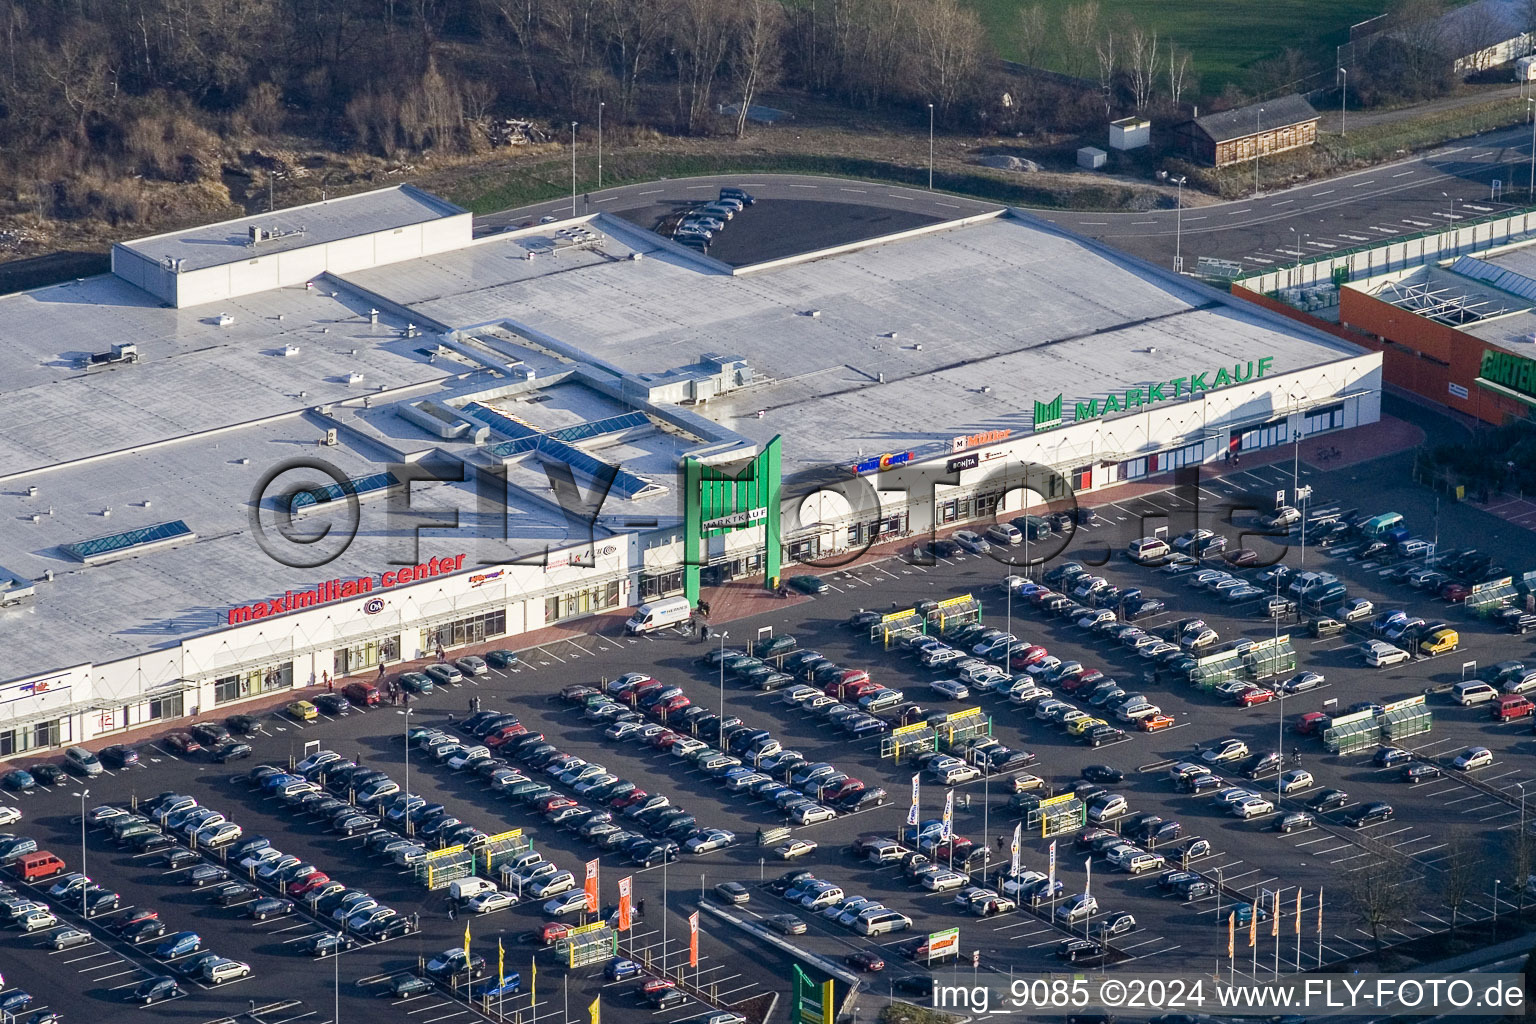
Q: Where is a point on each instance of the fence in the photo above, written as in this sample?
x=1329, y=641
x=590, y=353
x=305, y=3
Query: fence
x=1399, y=254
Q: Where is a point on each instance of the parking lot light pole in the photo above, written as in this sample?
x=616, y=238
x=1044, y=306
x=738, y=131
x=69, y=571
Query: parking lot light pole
x=83, y=794
x=1496, y=909
x=407, y=714
x=336, y=1013
x=930, y=147
x=723, y=634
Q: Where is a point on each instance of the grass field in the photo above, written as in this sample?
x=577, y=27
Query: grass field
x=1226, y=37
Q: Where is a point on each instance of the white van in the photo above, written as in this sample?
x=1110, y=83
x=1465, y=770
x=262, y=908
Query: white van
x=1148, y=549
x=1473, y=692
x=881, y=923
x=1005, y=533
x=653, y=615
x=465, y=889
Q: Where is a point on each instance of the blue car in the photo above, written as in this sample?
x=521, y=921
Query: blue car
x=618, y=969
x=19, y=780
x=509, y=985
x=15, y=1002
x=179, y=944
x=272, y=783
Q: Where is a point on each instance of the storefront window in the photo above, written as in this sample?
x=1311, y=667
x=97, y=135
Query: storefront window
x=360, y=657
x=248, y=684
x=469, y=630
x=949, y=511
x=654, y=585
x=1327, y=418
x=46, y=734
x=587, y=600
x=1132, y=469
x=30, y=737
x=167, y=707
x=1265, y=436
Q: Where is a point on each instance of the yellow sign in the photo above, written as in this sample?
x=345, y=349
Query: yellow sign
x=955, y=602
x=908, y=730
x=1055, y=800
x=502, y=837
x=446, y=851
x=960, y=716
x=587, y=929
x=896, y=616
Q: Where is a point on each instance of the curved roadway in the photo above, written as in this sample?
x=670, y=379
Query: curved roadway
x=1276, y=228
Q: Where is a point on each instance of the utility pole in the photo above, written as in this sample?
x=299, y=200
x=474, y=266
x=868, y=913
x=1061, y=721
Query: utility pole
x=1257, y=130
x=600, y=145
x=573, y=168
x=1178, y=226
x=1343, y=95
x=930, y=147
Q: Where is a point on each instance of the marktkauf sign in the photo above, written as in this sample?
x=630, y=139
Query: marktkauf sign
x=340, y=590
x=1048, y=414
x=746, y=518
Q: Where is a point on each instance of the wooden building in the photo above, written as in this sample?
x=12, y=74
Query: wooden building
x=1237, y=136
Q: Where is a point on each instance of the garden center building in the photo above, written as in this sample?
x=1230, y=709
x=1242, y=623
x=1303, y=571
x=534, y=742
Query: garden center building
x=303, y=444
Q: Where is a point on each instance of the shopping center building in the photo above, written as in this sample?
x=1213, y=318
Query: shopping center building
x=303, y=444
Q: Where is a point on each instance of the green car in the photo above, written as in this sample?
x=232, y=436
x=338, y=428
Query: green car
x=416, y=682
x=807, y=584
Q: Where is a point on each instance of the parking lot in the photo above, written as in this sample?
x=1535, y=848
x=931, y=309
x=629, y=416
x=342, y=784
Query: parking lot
x=1247, y=858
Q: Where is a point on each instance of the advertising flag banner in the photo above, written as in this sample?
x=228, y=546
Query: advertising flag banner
x=1253, y=923
x=592, y=886
x=1298, y=910
x=466, y=942
x=1319, y=910
x=501, y=961
x=949, y=814
x=1232, y=935
x=1274, y=924
x=533, y=986
x=1018, y=837
x=596, y=1009
x=626, y=886
x=693, y=939
x=1050, y=884
x=1088, y=869
x=912, y=811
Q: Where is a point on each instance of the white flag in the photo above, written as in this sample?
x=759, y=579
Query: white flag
x=912, y=811
x=1050, y=878
x=1017, y=844
x=949, y=814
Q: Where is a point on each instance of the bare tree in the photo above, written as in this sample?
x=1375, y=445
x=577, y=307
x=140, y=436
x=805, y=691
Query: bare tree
x=1178, y=74
x=1144, y=58
x=1108, y=58
x=1465, y=868
x=1080, y=31
x=1030, y=34
x=758, y=47
x=951, y=44
x=1381, y=896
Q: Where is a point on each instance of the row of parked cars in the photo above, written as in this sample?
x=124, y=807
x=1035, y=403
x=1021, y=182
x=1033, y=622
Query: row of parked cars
x=698, y=227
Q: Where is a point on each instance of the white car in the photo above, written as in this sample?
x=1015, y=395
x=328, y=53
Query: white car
x=709, y=840
x=219, y=971
x=1136, y=712
x=33, y=920
x=1252, y=807
x=1293, y=781
x=812, y=814
x=551, y=885
x=488, y=902
x=570, y=903
x=943, y=880
x=262, y=857
x=1380, y=655
x=1105, y=809
x=1232, y=796
x=1472, y=758
x=794, y=849
x=1226, y=750
x=219, y=834
x=10, y=815
x=950, y=689
x=472, y=665
x=825, y=898
x=687, y=747
x=970, y=541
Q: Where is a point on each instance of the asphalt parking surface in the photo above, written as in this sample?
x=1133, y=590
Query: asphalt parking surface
x=1247, y=857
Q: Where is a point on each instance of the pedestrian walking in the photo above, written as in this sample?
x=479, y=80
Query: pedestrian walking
x=453, y=911
x=440, y=655
x=641, y=907
x=381, y=670
x=999, y=842
x=967, y=801
x=327, y=682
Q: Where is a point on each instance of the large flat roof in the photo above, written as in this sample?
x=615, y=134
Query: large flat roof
x=912, y=341
x=213, y=245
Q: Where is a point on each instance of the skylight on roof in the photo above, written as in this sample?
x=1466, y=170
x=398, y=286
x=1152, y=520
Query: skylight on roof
x=361, y=486
x=130, y=542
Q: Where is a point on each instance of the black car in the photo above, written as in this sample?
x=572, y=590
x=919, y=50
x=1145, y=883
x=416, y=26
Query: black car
x=332, y=703
x=1328, y=799
x=501, y=658
x=118, y=755
x=210, y=733
x=156, y=989
x=232, y=751
x=1103, y=773
x=920, y=985
x=147, y=928
x=175, y=859
x=388, y=928
x=234, y=892
x=1263, y=764
x=243, y=725
x=150, y=842
x=47, y=774
x=1370, y=814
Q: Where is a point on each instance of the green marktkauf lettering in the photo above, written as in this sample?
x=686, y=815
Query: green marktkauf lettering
x=1179, y=387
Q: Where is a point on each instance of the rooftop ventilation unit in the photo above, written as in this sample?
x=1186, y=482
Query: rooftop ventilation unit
x=259, y=235
x=119, y=354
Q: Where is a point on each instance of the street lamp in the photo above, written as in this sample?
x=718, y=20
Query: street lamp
x=82, y=795
x=1452, y=199
x=1257, y=129
x=407, y=714
x=1178, y=226
x=1528, y=101
x=1343, y=95
x=723, y=634
x=1496, y=884
x=930, y=147
x=336, y=967
x=600, y=145
x=573, y=168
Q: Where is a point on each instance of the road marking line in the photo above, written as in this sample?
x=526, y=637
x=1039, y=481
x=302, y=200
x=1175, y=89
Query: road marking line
x=1260, y=259
x=1402, y=174
x=804, y=186
x=1316, y=195
x=853, y=189
x=1360, y=184
x=1201, y=217
x=652, y=192
x=1095, y=222
x=1284, y=201
x=1234, y=213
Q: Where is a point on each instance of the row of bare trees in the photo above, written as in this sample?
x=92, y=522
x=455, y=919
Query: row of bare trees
x=1117, y=53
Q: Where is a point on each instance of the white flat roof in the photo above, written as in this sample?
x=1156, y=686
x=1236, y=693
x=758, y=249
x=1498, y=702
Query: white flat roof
x=214, y=245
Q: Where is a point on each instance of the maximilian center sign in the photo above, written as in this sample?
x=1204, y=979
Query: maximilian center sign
x=1048, y=414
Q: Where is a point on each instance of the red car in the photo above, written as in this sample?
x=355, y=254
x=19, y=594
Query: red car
x=634, y=696
x=865, y=960
x=671, y=706
x=1152, y=723
x=1028, y=656
x=362, y=694
x=634, y=796
x=655, y=986
x=300, y=886
x=1257, y=695
x=183, y=743
x=552, y=802
x=551, y=932
x=845, y=788
x=665, y=739
x=1312, y=722
x=501, y=736
x=1455, y=592
x=1072, y=684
